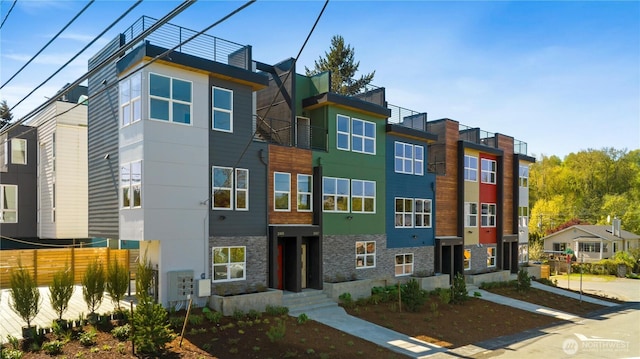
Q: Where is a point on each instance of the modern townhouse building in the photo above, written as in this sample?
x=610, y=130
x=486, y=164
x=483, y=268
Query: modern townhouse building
x=62, y=167
x=18, y=172
x=482, y=199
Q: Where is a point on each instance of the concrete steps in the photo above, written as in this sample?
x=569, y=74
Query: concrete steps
x=307, y=301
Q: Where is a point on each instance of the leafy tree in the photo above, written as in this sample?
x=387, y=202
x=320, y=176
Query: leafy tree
x=5, y=114
x=24, y=293
x=340, y=61
x=61, y=290
x=117, y=282
x=93, y=285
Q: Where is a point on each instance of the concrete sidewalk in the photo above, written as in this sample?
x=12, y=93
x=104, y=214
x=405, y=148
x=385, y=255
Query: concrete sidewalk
x=571, y=294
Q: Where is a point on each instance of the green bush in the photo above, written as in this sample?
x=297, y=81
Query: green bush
x=151, y=330
x=93, y=286
x=524, y=281
x=302, y=318
x=122, y=332
x=238, y=314
x=117, y=282
x=459, y=292
x=254, y=314
x=11, y=353
x=547, y=281
x=276, y=310
x=24, y=293
x=445, y=296
x=277, y=332
x=88, y=338
x=213, y=317
x=144, y=278
x=385, y=294
x=53, y=347
x=346, y=300
x=61, y=290
x=413, y=297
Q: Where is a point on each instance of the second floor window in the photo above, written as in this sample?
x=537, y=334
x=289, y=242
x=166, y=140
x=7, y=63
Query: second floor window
x=523, y=179
x=423, y=213
x=222, y=113
x=470, y=214
x=130, y=94
x=488, y=215
x=305, y=191
x=131, y=184
x=281, y=191
x=488, y=174
x=169, y=99
x=8, y=204
x=363, y=196
x=18, y=151
x=470, y=168
x=355, y=135
x=409, y=158
x=335, y=194
x=229, y=191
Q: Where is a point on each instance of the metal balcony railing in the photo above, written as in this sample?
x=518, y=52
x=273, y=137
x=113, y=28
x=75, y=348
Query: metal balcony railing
x=203, y=46
x=283, y=133
x=407, y=118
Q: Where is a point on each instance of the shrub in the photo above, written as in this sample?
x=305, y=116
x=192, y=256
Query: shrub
x=195, y=319
x=24, y=293
x=61, y=290
x=524, y=281
x=117, y=282
x=93, y=286
x=238, y=314
x=53, y=347
x=88, y=338
x=303, y=318
x=445, y=296
x=276, y=332
x=254, y=314
x=547, y=281
x=144, y=278
x=276, y=310
x=213, y=317
x=412, y=296
x=151, y=329
x=459, y=292
x=346, y=300
x=122, y=332
x=11, y=354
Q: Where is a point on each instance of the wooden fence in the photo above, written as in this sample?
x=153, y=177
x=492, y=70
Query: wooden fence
x=43, y=263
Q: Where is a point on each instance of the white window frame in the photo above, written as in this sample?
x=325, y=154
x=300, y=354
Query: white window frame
x=343, y=133
x=229, y=189
x=14, y=142
x=523, y=253
x=238, y=188
x=129, y=184
x=404, y=216
x=170, y=100
x=488, y=171
x=362, y=137
x=404, y=264
x=403, y=163
x=590, y=247
x=491, y=256
x=4, y=211
x=470, y=169
x=221, y=109
x=488, y=216
x=336, y=195
x=418, y=163
x=364, y=197
x=302, y=192
x=228, y=264
x=282, y=191
x=470, y=212
x=466, y=262
x=523, y=176
x=523, y=216
x=130, y=102
x=362, y=258
x=426, y=212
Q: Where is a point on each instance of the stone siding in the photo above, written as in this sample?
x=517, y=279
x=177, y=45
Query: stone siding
x=257, y=264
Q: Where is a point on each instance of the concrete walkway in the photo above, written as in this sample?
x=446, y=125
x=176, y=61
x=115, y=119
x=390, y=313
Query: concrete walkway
x=571, y=294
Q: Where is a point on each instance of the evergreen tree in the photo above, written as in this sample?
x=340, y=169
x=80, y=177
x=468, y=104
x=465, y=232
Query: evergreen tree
x=340, y=61
x=5, y=114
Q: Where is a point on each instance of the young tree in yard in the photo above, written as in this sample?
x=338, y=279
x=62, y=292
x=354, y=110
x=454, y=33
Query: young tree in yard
x=5, y=114
x=24, y=293
x=61, y=290
x=340, y=61
x=93, y=286
x=117, y=282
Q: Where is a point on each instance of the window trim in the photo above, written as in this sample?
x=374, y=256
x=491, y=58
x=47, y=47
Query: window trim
x=491, y=257
x=466, y=262
x=491, y=172
x=429, y=213
x=237, y=189
x=336, y=195
x=338, y=132
x=13, y=146
x=468, y=215
x=287, y=192
x=304, y=193
x=4, y=210
x=404, y=212
x=468, y=170
x=488, y=215
x=363, y=197
x=366, y=254
x=228, y=265
x=523, y=176
x=130, y=186
x=363, y=137
x=220, y=109
x=171, y=100
x=230, y=189
x=404, y=264
x=132, y=101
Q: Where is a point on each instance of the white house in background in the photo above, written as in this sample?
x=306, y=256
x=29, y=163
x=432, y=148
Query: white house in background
x=592, y=242
x=62, y=182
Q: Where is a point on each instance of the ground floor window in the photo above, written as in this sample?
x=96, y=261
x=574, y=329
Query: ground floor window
x=491, y=257
x=229, y=263
x=404, y=264
x=523, y=253
x=559, y=247
x=467, y=259
x=365, y=254
x=589, y=247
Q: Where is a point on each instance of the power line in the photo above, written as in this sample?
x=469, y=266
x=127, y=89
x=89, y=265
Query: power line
x=275, y=96
x=138, y=2
x=8, y=12
x=48, y=43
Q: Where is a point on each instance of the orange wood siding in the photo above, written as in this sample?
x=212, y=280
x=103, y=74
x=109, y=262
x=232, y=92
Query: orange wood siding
x=505, y=143
x=447, y=186
x=294, y=161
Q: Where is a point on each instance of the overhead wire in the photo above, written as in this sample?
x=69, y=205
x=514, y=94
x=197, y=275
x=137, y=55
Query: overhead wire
x=138, y=2
x=275, y=96
x=48, y=43
x=8, y=12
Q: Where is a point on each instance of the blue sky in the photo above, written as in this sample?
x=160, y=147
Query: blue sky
x=563, y=76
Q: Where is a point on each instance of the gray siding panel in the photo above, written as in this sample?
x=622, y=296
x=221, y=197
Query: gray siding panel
x=102, y=140
x=226, y=149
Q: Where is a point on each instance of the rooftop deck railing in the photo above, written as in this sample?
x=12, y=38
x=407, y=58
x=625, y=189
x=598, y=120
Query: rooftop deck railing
x=203, y=46
x=281, y=132
x=407, y=118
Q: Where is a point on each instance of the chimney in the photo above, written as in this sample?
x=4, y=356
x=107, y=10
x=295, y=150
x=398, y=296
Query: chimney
x=615, y=227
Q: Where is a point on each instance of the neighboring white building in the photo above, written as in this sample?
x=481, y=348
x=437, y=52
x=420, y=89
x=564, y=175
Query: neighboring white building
x=591, y=242
x=62, y=185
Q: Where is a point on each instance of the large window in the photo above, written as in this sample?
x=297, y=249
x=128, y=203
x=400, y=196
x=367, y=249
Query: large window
x=363, y=196
x=222, y=100
x=589, y=247
x=466, y=260
x=523, y=253
x=225, y=187
x=470, y=214
x=169, y=99
x=409, y=158
x=523, y=177
x=18, y=151
x=355, y=135
x=130, y=94
x=365, y=254
x=488, y=215
x=229, y=263
x=491, y=257
x=523, y=216
x=488, y=174
x=281, y=191
x=404, y=264
x=8, y=204
x=335, y=194
x=305, y=191
x=363, y=136
x=131, y=184
x=559, y=247
x=470, y=168
x=423, y=213
x=404, y=212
